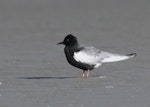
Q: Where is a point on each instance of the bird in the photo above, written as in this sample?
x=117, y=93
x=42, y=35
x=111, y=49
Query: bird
x=88, y=58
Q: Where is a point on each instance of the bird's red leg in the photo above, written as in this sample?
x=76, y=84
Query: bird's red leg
x=88, y=72
x=83, y=75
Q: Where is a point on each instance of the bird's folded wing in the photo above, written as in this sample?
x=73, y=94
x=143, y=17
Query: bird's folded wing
x=110, y=57
x=93, y=56
x=88, y=55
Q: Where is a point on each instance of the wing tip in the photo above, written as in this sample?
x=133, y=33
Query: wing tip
x=132, y=55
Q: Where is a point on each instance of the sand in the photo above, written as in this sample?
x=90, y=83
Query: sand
x=34, y=71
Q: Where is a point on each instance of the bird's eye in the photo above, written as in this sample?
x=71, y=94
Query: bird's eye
x=67, y=40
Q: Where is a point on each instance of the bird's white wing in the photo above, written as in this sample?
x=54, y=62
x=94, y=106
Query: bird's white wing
x=88, y=55
x=110, y=57
x=93, y=56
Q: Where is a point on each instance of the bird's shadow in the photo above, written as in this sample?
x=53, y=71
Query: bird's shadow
x=45, y=77
x=52, y=77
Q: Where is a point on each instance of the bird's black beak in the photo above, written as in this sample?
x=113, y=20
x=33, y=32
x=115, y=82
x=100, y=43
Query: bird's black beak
x=60, y=43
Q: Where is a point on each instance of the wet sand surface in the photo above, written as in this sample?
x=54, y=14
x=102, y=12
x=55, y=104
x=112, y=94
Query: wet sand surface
x=34, y=71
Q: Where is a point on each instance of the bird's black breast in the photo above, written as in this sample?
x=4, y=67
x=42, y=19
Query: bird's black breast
x=69, y=52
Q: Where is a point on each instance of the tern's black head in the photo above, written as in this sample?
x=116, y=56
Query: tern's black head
x=69, y=40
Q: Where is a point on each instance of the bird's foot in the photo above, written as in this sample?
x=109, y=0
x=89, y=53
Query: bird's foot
x=87, y=74
x=83, y=75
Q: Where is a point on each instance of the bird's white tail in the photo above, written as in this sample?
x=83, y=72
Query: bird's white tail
x=115, y=57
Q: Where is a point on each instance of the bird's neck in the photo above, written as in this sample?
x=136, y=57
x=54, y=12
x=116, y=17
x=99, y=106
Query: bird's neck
x=71, y=49
x=74, y=45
